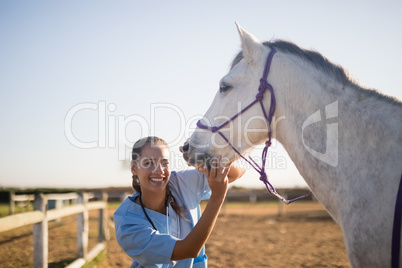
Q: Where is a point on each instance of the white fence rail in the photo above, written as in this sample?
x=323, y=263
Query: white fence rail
x=41, y=216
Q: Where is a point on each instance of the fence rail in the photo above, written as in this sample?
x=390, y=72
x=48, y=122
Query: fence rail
x=42, y=215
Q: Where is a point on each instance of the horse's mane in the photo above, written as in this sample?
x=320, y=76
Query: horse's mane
x=314, y=57
x=320, y=62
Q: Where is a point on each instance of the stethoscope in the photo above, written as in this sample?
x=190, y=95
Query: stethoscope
x=167, y=213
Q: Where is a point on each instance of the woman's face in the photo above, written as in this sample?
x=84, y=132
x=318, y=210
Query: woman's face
x=152, y=167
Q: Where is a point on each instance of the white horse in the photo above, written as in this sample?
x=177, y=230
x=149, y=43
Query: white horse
x=353, y=168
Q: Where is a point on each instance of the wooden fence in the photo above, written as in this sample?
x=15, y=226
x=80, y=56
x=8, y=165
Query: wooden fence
x=42, y=215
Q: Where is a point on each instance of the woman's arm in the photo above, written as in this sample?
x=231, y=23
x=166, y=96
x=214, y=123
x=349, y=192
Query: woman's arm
x=191, y=246
x=235, y=173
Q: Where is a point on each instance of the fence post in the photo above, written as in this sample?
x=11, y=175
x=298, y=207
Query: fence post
x=83, y=227
x=281, y=204
x=12, y=203
x=40, y=233
x=103, y=226
x=253, y=198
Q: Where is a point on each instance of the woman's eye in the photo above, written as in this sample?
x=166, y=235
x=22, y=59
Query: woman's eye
x=146, y=164
x=165, y=164
x=224, y=88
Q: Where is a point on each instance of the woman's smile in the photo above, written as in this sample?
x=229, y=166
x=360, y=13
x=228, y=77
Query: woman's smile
x=157, y=180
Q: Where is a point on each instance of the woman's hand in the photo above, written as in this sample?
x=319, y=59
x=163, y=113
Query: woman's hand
x=217, y=177
x=233, y=174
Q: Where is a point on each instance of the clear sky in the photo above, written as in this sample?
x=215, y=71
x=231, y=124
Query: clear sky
x=80, y=81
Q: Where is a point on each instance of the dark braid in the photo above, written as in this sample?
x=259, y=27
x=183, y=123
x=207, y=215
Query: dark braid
x=135, y=155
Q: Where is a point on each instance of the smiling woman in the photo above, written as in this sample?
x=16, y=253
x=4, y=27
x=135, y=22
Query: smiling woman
x=161, y=224
x=150, y=168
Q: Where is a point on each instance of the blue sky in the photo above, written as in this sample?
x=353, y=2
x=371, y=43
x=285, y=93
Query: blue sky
x=108, y=73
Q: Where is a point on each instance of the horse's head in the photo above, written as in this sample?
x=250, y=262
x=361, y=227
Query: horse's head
x=237, y=89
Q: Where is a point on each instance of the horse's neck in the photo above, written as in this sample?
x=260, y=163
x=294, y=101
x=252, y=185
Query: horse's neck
x=300, y=99
x=290, y=134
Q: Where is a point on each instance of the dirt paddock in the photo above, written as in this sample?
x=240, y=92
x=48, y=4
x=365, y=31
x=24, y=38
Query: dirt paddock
x=246, y=235
x=254, y=235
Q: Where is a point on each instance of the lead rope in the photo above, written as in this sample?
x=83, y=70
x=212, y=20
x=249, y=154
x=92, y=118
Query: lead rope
x=268, y=118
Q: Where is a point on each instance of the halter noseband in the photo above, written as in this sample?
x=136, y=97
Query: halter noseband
x=264, y=85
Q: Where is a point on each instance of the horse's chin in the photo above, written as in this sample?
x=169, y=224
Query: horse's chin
x=198, y=160
x=201, y=159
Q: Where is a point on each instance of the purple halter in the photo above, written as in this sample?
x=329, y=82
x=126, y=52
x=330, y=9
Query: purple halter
x=264, y=85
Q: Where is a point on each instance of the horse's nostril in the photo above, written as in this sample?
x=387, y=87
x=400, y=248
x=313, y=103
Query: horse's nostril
x=186, y=146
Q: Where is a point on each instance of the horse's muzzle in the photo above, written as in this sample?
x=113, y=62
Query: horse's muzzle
x=197, y=159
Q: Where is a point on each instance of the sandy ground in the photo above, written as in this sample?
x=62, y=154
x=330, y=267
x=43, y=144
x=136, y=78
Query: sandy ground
x=256, y=236
x=245, y=235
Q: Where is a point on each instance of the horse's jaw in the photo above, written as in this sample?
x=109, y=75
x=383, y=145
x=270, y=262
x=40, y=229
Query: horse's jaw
x=200, y=153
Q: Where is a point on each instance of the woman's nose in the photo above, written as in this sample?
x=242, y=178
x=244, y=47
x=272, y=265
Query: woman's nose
x=159, y=168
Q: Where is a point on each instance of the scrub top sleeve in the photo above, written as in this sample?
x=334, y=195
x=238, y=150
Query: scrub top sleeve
x=195, y=182
x=144, y=244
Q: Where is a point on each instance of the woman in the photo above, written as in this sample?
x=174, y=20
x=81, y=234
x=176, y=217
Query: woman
x=161, y=224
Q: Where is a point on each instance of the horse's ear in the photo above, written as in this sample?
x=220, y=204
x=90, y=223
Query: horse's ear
x=252, y=47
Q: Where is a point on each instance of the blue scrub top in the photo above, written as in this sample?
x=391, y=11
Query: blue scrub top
x=153, y=248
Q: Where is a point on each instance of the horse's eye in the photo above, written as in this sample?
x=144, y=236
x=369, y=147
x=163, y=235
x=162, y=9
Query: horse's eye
x=224, y=88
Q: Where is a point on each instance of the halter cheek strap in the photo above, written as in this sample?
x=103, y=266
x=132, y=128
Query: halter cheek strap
x=264, y=85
